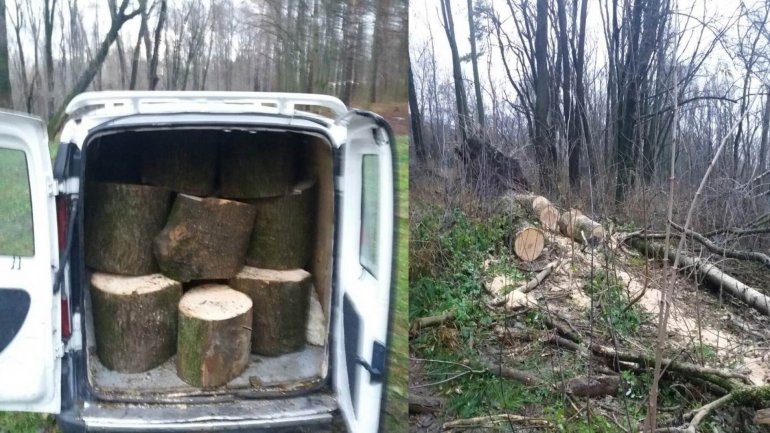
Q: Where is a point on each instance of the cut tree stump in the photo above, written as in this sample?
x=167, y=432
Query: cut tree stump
x=258, y=166
x=182, y=161
x=528, y=242
x=135, y=319
x=121, y=222
x=204, y=238
x=283, y=230
x=280, y=307
x=214, y=343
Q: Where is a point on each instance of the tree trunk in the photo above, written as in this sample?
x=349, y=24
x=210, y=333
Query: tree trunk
x=182, y=161
x=6, y=95
x=121, y=223
x=119, y=18
x=710, y=273
x=475, y=64
x=583, y=229
x=257, y=166
x=280, y=308
x=283, y=232
x=152, y=72
x=567, y=221
x=48, y=11
x=379, y=35
x=546, y=156
x=135, y=319
x=415, y=120
x=204, y=238
x=137, y=48
x=462, y=105
x=765, y=132
x=536, y=207
x=213, y=345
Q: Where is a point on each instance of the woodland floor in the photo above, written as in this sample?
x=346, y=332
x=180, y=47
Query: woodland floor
x=588, y=294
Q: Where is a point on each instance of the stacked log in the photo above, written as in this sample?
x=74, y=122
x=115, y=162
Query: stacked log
x=182, y=161
x=213, y=343
x=280, y=307
x=204, y=238
x=135, y=319
x=258, y=166
x=283, y=230
x=121, y=222
x=579, y=227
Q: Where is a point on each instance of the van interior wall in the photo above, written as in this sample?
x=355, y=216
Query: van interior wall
x=117, y=157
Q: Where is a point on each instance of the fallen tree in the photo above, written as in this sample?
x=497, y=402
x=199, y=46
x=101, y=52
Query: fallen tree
x=710, y=273
x=754, y=256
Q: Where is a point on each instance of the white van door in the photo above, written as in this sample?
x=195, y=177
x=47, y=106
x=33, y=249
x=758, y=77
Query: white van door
x=30, y=323
x=364, y=266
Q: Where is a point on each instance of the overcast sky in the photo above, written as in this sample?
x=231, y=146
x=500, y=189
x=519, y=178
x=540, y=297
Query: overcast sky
x=425, y=17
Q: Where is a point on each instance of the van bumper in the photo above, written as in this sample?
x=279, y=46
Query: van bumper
x=313, y=413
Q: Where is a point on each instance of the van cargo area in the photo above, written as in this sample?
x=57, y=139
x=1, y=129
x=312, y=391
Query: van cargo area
x=145, y=156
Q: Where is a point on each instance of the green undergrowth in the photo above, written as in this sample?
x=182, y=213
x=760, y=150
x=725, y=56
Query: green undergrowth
x=612, y=299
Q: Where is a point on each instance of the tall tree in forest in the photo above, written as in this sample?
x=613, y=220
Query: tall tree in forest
x=152, y=71
x=568, y=108
x=118, y=17
x=49, y=7
x=349, y=31
x=379, y=34
x=6, y=96
x=415, y=120
x=462, y=105
x=475, y=64
x=544, y=149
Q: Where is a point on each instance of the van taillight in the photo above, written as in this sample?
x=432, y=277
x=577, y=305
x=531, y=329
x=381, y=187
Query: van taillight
x=61, y=219
x=66, y=331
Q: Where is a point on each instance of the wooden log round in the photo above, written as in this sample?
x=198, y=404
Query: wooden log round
x=135, y=320
x=280, y=307
x=204, y=238
x=182, y=161
x=537, y=208
x=528, y=242
x=567, y=221
x=315, y=331
x=120, y=224
x=258, y=166
x=587, y=230
x=214, y=344
x=283, y=232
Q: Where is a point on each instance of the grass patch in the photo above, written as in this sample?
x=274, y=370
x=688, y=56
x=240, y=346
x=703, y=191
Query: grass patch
x=612, y=299
x=11, y=422
x=396, y=405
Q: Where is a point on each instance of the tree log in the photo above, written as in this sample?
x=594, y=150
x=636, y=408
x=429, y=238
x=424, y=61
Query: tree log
x=182, y=161
x=280, y=307
x=567, y=221
x=598, y=386
x=204, y=238
x=712, y=274
x=121, y=222
x=283, y=230
x=213, y=344
x=528, y=242
x=754, y=256
x=315, y=331
x=537, y=208
x=424, y=404
x=265, y=165
x=135, y=319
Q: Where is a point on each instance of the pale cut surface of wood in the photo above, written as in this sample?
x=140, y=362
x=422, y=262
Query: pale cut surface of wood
x=214, y=302
x=528, y=243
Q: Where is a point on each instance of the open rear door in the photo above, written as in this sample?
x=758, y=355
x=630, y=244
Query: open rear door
x=30, y=337
x=363, y=269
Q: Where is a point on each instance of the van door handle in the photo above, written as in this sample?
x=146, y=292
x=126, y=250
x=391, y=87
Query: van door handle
x=377, y=368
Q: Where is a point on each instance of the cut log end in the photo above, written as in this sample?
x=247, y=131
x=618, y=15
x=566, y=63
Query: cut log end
x=549, y=218
x=528, y=243
x=213, y=344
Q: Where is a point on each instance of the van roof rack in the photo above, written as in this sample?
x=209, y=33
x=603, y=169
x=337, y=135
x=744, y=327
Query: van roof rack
x=137, y=102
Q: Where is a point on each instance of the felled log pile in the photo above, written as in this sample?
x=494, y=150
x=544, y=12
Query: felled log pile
x=234, y=221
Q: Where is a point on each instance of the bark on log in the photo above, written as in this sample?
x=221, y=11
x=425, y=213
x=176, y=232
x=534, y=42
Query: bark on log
x=204, y=238
x=214, y=343
x=524, y=377
x=182, y=161
x=426, y=322
x=121, y=222
x=593, y=386
x=537, y=208
x=712, y=274
x=754, y=256
x=280, y=307
x=423, y=404
x=528, y=242
x=567, y=221
x=135, y=319
x=283, y=234
x=265, y=165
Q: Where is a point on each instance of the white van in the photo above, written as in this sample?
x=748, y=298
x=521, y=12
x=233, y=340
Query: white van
x=48, y=361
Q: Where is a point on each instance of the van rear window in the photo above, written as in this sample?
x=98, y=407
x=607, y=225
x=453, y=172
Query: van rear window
x=16, y=230
x=370, y=216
